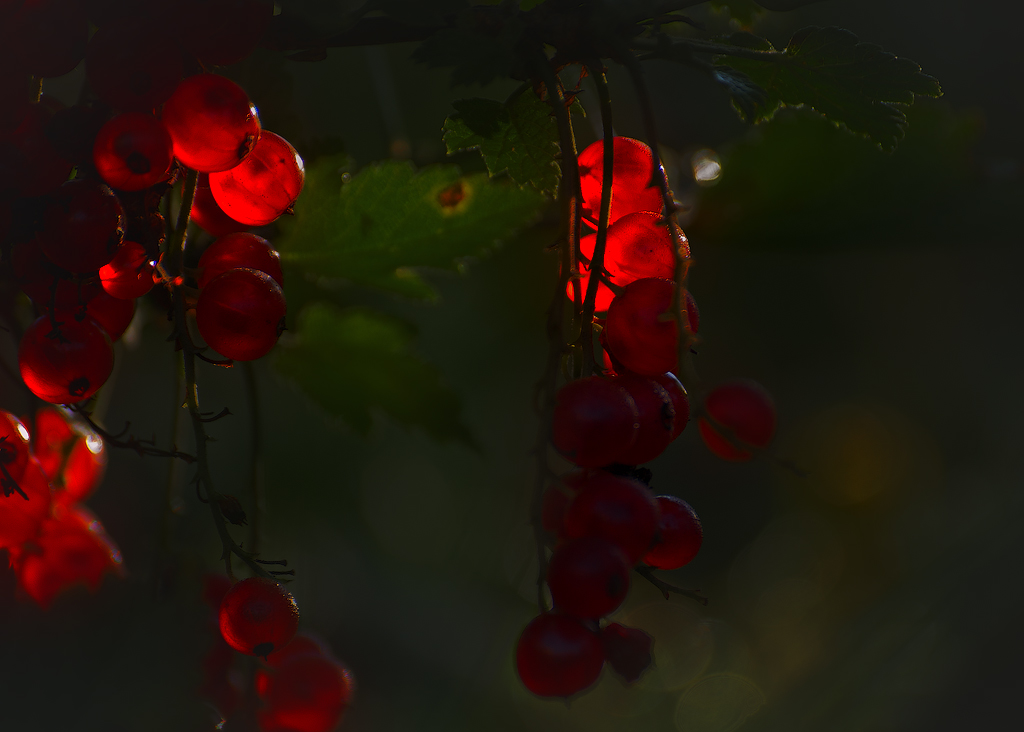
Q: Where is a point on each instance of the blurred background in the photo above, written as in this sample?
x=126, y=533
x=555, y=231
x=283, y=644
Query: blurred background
x=876, y=296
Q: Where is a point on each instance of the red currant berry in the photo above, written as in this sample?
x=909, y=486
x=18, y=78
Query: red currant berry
x=680, y=402
x=129, y=274
x=627, y=650
x=222, y=32
x=133, y=151
x=558, y=656
x=639, y=330
x=207, y=214
x=21, y=516
x=32, y=158
x=52, y=439
x=75, y=299
x=679, y=535
x=67, y=365
x=241, y=250
x=240, y=313
x=746, y=410
x=15, y=447
x=588, y=577
x=213, y=124
x=556, y=501
x=131, y=64
x=264, y=185
x=84, y=468
x=50, y=36
x=306, y=693
x=258, y=615
x=657, y=416
x=595, y=421
x=618, y=510
x=639, y=246
x=84, y=226
x=631, y=179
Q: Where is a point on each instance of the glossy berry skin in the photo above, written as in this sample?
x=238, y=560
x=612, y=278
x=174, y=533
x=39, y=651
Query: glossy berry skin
x=679, y=535
x=21, y=518
x=73, y=458
x=619, y=510
x=558, y=656
x=627, y=650
x=240, y=313
x=131, y=64
x=680, y=402
x=588, y=577
x=264, y=185
x=69, y=369
x=744, y=408
x=631, y=178
x=306, y=693
x=84, y=226
x=133, y=151
x=222, y=32
x=129, y=274
x=212, y=123
x=15, y=447
x=639, y=330
x=240, y=250
x=656, y=417
x=207, y=214
x=595, y=421
x=257, y=615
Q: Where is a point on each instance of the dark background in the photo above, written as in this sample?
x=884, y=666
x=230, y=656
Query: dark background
x=875, y=295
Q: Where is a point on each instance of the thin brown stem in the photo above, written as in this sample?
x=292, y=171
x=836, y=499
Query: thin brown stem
x=668, y=590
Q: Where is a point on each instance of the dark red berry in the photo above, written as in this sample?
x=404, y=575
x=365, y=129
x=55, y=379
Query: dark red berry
x=84, y=226
x=240, y=313
x=131, y=64
x=619, y=510
x=306, y=693
x=680, y=402
x=213, y=124
x=588, y=577
x=133, y=151
x=49, y=36
x=746, y=412
x=68, y=365
x=679, y=535
x=640, y=331
x=257, y=616
x=264, y=185
x=31, y=157
x=558, y=656
x=595, y=421
x=627, y=650
x=129, y=274
x=222, y=32
x=207, y=214
x=631, y=179
x=657, y=416
x=239, y=250
x=21, y=517
x=15, y=448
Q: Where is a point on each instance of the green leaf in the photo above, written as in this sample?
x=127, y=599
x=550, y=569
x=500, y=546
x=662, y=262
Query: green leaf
x=828, y=69
x=519, y=137
x=389, y=217
x=742, y=11
x=355, y=361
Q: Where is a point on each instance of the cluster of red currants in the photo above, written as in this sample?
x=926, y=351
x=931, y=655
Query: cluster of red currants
x=54, y=542
x=301, y=686
x=84, y=249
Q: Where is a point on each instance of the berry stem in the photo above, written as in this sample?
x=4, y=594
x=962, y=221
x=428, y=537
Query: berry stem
x=597, y=271
x=668, y=590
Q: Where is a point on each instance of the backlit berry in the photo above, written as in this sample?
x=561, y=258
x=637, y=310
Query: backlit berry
x=679, y=535
x=207, y=214
x=257, y=616
x=68, y=365
x=631, y=179
x=241, y=250
x=264, y=185
x=640, y=331
x=306, y=693
x=15, y=447
x=558, y=656
x=240, y=313
x=129, y=274
x=743, y=414
x=21, y=516
x=133, y=151
x=588, y=577
x=595, y=421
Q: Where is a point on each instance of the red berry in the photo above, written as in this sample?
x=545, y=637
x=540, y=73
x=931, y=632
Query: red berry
x=73, y=457
x=746, y=410
x=679, y=535
x=222, y=32
x=15, y=448
x=657, y=416
x=240, y=250
x=21, y=519
x=132, y=65
x=129, y=274
x=76, y=299
x=588, y=577
x=258, y=615
x=306, y=693
x=558, y=656
x=264, y=185
x=213, y=124
x=556, y=501
x=34, y=165
x=302, y=644
x=639, y=246
x=604, y=295
x=619, y=510
x=65, y=366
x=51, y=440
x=595, y=421
x=84, y=226
x=133, y=151
x=240, y=313
x=85, y=467
x=49, y=36
x=631, y=179
x=680, y=402
x=627, y=650
x=207, y=214
x=639, y=330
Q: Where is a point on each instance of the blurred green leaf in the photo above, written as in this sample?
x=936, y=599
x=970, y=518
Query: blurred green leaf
x=518, y=137
x=389, y=217
x=828, y=69
x=742, y=11
x=354, y=361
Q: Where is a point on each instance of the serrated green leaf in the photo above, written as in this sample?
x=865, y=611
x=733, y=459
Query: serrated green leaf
x=519, y=137
x=828, y=69
x=390, y=216
x=353, y=362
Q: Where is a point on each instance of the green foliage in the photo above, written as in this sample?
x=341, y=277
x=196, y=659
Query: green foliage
x=480, y=48
x=518, y=137
x=742, y=11
x=390, y=216
x=353, y=361
x=828, y=69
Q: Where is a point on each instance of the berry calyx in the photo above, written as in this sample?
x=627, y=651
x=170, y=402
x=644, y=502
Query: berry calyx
x=588, y=577
x=746, y=411
x=558, y=656
x=240, y=313
x=595, y=421
x=264, y=185
x=679, y=535
x=257, y=616
x=65, y=365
